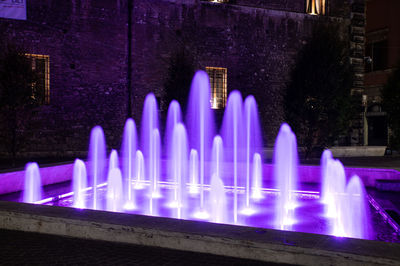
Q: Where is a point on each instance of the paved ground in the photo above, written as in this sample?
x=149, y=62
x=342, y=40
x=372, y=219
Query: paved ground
x=22, y=248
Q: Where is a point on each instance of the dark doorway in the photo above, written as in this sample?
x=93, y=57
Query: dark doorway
x=377, y=131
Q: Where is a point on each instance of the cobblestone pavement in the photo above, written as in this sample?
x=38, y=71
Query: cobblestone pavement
x=22, y=248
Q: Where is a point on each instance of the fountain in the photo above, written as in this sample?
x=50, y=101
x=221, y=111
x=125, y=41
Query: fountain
x=179, y=163
x=257, y=177
x=356, y=211
x=148, y=134
x=325, y=159
x=113, y=161
x=285, y=174
x=199, y=175
x=174, y=117
x=97, y=162
x=200, y=123
x=33, y=188
x=194, y=172
x=129, y=146
x=233, y=137
x=253, y=148
x=79, y=184
x=139, y=164
x=155, y=160
x=218, y=200
x=114, y=190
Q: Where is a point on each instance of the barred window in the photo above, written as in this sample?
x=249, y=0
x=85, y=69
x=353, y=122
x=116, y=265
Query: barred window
x=316, y=7
x=218, y=1
x=218, y=81
x=41, y=88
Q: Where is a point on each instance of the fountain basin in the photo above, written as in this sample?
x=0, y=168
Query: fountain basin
x=236, y=241
x=309, y=214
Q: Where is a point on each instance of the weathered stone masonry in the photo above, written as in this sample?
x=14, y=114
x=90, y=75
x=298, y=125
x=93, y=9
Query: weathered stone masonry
x=87, y=43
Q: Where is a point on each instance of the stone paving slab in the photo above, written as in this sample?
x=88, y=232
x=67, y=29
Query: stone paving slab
x=227, y=240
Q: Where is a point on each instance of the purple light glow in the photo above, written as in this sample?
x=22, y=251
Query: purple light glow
x=217, y=178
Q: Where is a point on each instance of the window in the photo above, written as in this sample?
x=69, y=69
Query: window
x=378, y=52
x=218, y=77
x=218, y=1
x=316, y=7
x=41, y=88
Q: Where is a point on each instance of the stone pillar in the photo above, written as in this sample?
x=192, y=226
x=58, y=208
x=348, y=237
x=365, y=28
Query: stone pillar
x=357, y=46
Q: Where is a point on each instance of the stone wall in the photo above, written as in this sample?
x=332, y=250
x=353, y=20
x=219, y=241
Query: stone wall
x=87, y=44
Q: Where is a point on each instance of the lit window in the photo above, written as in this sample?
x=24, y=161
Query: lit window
x=316, y=7
x=218, y=77
x=218, y=1
x=41, y=88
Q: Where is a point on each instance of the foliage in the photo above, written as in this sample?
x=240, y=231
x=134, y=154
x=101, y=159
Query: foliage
x=17, y=95
x=318, y=101
x=391, y=104
x=180, y=74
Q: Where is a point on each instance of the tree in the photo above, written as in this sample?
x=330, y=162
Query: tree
x=17, y=91
x=318, y=101
x=391, y=104
x=179, y=78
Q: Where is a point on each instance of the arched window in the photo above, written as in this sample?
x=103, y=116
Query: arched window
x=316, y=7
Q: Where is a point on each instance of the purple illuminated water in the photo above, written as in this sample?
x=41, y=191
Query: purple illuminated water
x=79, y=184
x=194, y=172
x=33, y=187
x=233, y=136
x=114, y=190
x=150, y=139
x=257, y=177
x=355, y=210
x=200, y=124
x=140, y=174
x=253, y=148
x=174, y=117
x=129, y=151
x=200, y=175
x=285, y=174
x=179, y=164
x=97, y=162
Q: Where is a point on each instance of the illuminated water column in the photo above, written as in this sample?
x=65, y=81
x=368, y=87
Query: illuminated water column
x=233, y=138
x=179, y=164
x=33, y=187
x=79, y=184
x=97, y=162
x=285, y=175
x=129, y=147
x=200, y=123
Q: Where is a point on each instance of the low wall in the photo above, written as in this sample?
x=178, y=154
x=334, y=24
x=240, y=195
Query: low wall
x=358, y=151
x=14, y=181
x=266, y=245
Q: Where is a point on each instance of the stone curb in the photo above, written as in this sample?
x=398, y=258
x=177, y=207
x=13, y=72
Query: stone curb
x=227, y=240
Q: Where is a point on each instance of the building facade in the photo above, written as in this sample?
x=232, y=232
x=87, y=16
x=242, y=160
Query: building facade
x=382, y=56
x=245, y=45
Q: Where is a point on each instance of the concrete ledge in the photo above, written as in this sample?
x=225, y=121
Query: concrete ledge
x=14, y=181
x=227, y=240
x=358, y=151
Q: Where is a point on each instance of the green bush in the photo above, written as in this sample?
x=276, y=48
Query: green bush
x=318, y=101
